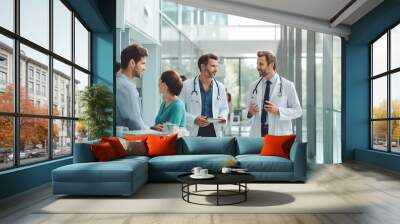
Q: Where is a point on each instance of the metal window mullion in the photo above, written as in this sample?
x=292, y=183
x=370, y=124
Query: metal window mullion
x=50, y=81
x=389, y=102
x=16, y=84
x=89, y=59
x=73, y=83
x=371, y=91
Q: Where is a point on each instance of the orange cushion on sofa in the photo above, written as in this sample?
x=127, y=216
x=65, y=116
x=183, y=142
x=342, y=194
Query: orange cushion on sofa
x=161, y=145
x=116, y=145
x=136, y=137
x=277, y=145
x=103, y=152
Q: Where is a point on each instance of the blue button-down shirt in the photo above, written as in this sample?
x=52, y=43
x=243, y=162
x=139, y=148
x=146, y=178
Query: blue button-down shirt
x=206, y=100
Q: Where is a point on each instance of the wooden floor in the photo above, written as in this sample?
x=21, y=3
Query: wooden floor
x=377, y=188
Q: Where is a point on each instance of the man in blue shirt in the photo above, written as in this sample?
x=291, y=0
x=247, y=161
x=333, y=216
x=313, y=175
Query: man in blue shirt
x=205, y=100
x=133, y=64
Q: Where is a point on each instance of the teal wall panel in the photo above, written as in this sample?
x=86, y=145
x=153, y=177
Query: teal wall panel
x=356, y=84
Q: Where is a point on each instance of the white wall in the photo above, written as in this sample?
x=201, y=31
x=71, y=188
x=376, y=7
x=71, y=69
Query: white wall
x=144, y=15
x=150, y=79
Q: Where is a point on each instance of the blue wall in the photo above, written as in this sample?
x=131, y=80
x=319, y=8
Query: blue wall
x=24, y=178
x=99, y=15
x=357, y=83
x=103, y=58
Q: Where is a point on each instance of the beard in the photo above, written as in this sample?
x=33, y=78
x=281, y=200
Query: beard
x=211, y=75
x=135, y=73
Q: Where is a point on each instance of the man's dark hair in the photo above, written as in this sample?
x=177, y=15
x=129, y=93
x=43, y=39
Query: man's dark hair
x=135, y=52
x=173, y=81
x=270, y=57
x=203, y=60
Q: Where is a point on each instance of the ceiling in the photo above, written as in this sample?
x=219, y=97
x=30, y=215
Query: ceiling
x=316, y=15
x=319, y=9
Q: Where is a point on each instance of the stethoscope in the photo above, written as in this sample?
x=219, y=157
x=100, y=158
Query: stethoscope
x=255, y=88
x=197, y=92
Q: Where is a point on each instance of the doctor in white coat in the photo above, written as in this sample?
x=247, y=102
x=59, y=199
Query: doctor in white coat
x=205, y=100
x=272, y=100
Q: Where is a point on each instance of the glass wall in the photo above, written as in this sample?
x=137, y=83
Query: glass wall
x=37, y=80
x=311, y=60
x=178, y=52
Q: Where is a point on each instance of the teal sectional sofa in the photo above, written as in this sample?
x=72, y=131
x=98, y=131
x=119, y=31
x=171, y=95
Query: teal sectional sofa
x=125, y=176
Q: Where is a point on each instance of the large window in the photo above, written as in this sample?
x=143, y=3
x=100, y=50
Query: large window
x=385, y=96
x=44, y=64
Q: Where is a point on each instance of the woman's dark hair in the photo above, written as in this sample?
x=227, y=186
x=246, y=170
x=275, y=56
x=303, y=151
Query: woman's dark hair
x=228, y=95
x=117, y=67
x=135, y=52
x=183, y=78
x=173, y=81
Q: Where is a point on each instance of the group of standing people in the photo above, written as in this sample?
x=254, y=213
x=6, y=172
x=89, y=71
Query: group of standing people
x=200, y=104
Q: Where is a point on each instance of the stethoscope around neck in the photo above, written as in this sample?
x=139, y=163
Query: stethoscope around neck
x=255, y=88
x=197, y=92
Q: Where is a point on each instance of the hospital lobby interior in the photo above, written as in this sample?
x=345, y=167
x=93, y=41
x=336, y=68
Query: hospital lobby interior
x=321, y=146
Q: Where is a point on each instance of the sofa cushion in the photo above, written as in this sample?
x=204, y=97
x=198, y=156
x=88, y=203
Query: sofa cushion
x=136, y=137
x=207, y=145
x=103, y=152
x=277, y=145
x=112, y=171
x=161, y=145
x=116, y=145
x=185, y=163
x=134, y=147
x=83, y=152
x=128, y=159
x=249, y=145
x=257, y=163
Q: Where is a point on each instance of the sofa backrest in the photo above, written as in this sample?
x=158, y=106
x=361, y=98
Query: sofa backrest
x=206, y=145
x=83, y=152
x=249, y=145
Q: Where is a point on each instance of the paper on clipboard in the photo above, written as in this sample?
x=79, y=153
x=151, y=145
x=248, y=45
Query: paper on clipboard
x=214, y=120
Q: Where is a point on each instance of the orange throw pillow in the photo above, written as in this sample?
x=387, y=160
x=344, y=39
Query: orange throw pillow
x=116, y=145
x=103, y=152
x=136, y=137
x=277, y=145
x=161, y=145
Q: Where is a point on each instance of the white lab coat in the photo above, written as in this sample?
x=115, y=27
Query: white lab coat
x=288, y=103
x=193, y=105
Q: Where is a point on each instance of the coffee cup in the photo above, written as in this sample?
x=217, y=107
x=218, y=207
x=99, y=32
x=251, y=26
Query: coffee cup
x=196, y=171
x=203, y=172
x=171, y=127
x=226, y=170
x=120, y=130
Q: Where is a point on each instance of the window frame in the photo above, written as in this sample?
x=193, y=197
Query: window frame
x=16, y=114
x=388, y=74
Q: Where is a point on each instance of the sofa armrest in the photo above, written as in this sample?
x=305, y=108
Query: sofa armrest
x=299, y=159
x=83, y=152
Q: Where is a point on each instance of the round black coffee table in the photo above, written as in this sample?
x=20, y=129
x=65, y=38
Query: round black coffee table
x=238, y=179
